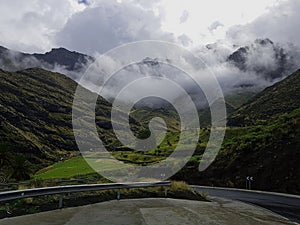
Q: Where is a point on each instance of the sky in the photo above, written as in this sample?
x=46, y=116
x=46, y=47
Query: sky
x=91, y=26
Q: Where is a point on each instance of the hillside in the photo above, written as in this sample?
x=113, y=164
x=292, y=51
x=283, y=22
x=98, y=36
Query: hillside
x=263, y=142
x=268, y=153
x=35, y=112
x=36, y=117
x=283, y=97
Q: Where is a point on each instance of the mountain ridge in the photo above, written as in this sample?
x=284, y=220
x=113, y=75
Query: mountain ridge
x=282, y=97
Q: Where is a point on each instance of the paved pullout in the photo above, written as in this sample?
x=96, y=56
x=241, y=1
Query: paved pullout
x=154, y=212
x=283, y=204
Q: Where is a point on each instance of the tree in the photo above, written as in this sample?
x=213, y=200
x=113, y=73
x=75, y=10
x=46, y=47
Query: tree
x=4, y=155
x=21, y=168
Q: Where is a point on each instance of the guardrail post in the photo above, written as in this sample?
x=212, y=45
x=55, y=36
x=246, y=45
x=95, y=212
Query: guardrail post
x=60, y=202
x=118, y=195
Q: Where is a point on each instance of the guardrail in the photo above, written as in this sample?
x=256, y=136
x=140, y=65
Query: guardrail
x=245, y=191
x=60, y=190
x=56, y=181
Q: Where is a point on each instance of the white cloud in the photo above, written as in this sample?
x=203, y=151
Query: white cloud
x=215, y=25
x=37, y=26
x=281, y=24
x=202, y=13
x=184, y=17
x=30, y=25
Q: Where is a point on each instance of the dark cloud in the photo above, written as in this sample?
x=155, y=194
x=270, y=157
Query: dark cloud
x=86, y=2
x=108, y=25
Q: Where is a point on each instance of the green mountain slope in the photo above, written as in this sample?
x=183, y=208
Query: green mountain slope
x=36, y=117
x=269, y=153
x=35, y=112
x=263, y=142
x=280, y=98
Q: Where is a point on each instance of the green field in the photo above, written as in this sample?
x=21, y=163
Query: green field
x=67, y=169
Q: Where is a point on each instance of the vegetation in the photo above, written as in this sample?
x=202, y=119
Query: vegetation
x=36, y=116
x=262, y=140
x=268, y=153
x=267, y=106
x=13, y=166
x=66, y=169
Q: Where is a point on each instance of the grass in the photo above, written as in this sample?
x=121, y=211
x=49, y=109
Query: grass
x=78, y=166
x=179, y=186
x=67, y=169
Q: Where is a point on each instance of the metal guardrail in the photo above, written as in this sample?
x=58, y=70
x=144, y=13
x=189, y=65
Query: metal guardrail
x=60, y=190
x=3, y=185
x=237, y=190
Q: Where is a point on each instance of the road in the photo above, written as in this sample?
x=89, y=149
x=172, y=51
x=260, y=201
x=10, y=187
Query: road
x=155, y=212
x=285, y=205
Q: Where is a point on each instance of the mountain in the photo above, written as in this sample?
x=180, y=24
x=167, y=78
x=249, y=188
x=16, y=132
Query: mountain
x=283, y=97
x=35, y=112
x=58, y=59
x=273, y=64
x=265, y=58
x=263, y=141
x=36, y=117
x=72, y=61
x=268, y=153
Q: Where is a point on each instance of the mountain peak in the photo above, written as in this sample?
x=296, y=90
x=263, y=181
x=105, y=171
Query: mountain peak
x=252, y=58
x=264, y=42
x=60, y=49
x=2, y=49
x=70, y=59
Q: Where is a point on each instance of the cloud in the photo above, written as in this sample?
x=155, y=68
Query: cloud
x=92, y=26
x=252, y=67
x=86, y=2
x=184, y=17
x=30, y=25
x=103, y=27
x=280, y=24
x=215, y=25
x=184, y=40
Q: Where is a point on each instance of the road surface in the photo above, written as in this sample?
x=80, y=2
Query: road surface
x=285, y=205
x=155, y=212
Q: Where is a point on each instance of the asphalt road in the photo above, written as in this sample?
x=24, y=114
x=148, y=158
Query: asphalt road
x=285, y=205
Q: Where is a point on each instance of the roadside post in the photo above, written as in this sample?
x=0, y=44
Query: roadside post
x=248, y=182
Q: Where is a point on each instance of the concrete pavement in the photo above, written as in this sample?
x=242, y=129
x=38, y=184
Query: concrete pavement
x=154, y=212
